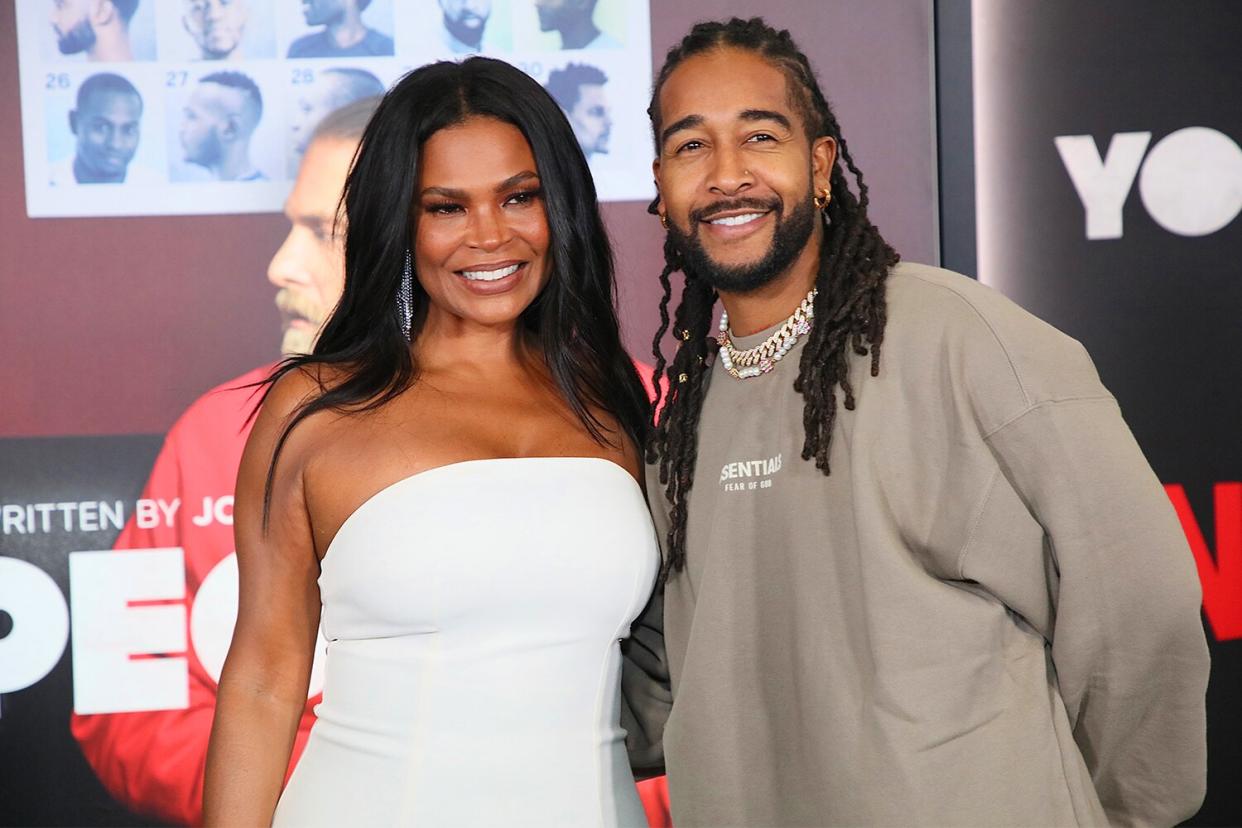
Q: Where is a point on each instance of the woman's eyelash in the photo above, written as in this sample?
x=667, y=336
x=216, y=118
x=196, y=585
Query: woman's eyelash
x=526, y=196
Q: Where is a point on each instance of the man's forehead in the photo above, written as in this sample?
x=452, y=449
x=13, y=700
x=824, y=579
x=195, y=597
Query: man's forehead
x=121, y=106
x=723, y=86
x=592, y=91
x=216, y=97
x=317, y=190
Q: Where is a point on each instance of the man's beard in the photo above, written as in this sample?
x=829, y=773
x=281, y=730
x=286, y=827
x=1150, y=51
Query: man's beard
x=788, y=241
x=469, y=35
x=80, y=38
x=298, y=339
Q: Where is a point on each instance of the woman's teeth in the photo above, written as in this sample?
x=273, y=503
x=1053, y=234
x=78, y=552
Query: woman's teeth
x=490, y=275
x=734, y=221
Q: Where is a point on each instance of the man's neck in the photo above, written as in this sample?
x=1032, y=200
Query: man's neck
x=776, y=301
x=84, y=175
x=348, y=31
x=111, y=44
x=234, y=165
x=579, y=35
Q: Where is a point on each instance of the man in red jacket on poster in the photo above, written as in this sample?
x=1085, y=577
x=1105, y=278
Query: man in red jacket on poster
x=152, y=761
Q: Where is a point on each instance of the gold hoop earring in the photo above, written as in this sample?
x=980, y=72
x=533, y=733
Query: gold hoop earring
x=821, y=201
x=664, y=221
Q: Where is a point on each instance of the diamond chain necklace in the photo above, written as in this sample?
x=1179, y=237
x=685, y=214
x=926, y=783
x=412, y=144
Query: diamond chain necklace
x=763, y=357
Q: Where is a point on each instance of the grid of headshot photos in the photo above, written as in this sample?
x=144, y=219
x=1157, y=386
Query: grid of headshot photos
x=184, y=107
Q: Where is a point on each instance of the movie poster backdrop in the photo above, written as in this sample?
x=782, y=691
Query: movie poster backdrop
x=122, y=304
x=1108, y=164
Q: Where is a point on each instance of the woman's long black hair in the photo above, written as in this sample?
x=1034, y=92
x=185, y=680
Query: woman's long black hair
x=573, y=319
x=850, y=308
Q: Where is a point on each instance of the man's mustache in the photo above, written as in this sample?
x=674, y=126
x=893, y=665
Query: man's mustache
x=298, y=306
x=725, y=205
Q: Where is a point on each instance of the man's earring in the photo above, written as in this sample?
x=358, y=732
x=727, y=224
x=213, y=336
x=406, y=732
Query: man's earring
x=405, y=299
x=664, y=220
x=821, y=201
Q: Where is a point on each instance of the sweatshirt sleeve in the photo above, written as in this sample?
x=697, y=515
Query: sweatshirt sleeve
x=1127, y=640
x=646, y=697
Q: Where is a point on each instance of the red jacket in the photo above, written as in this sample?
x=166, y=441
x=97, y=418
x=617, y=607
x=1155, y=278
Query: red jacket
x=153, y=761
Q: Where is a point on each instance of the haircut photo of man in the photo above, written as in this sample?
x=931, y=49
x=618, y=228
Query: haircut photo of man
x=331, y=89
x=217, y=124
x=580, y=90
x=98, y=28
x=465, y=22
x=574, y=20
x=344, y=32
x=217, y=27
x=106, y=123
x=917, y=570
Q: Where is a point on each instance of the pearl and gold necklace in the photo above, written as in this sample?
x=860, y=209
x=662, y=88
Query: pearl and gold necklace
x=763, y=357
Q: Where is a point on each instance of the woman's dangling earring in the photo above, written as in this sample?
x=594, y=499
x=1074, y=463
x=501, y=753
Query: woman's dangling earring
x=405, y=299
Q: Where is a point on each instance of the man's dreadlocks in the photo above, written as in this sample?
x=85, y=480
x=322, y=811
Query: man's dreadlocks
x=849, y=308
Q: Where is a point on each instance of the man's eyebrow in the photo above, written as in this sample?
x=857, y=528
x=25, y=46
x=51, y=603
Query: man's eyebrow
x=745, y=115
x=766, y=115
x=685, y=123
x=311, y=220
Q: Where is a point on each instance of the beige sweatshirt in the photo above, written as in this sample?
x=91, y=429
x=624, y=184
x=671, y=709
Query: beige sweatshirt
x=986, y=615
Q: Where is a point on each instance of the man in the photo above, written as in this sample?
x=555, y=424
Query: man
x=331, y=89
x=465, y=21
x=918, y=571
x=575, y=20
x=217, y=27
x=153, y=761
x=217, y=123
x=579, y=89
x=100, y=28
x=343, y=34
x=106, y=123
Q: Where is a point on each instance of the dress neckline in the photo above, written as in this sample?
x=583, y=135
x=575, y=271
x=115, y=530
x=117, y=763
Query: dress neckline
x=436, y=471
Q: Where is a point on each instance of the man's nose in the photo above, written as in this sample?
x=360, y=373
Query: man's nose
x=729, y=174
x=284, y=268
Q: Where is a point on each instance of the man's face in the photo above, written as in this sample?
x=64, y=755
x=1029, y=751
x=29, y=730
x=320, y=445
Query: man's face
x=736, y=172
x=557, y=14
x=202, y=122
x=313, y=103
x=470, y=15
x=309, y=268
x=107, y=127
x=217, y=26
x=71, y=21
x=323, y=12
x=591, y=119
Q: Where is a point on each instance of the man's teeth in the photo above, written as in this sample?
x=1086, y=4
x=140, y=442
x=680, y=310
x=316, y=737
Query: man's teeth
x=734, y=221
x=490, y=275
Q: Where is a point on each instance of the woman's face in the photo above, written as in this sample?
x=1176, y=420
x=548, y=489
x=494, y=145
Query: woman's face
x=480, y=228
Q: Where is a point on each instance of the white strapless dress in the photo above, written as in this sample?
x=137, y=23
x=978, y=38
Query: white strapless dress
x=474, y=614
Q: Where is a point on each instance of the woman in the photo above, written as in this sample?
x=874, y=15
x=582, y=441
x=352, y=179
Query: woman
x=453, y=474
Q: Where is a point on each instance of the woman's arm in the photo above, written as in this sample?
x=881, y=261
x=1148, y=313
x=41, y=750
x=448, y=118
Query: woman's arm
x=265, y=678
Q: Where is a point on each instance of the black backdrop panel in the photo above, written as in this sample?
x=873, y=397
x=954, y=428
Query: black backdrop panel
x=1143, y=99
